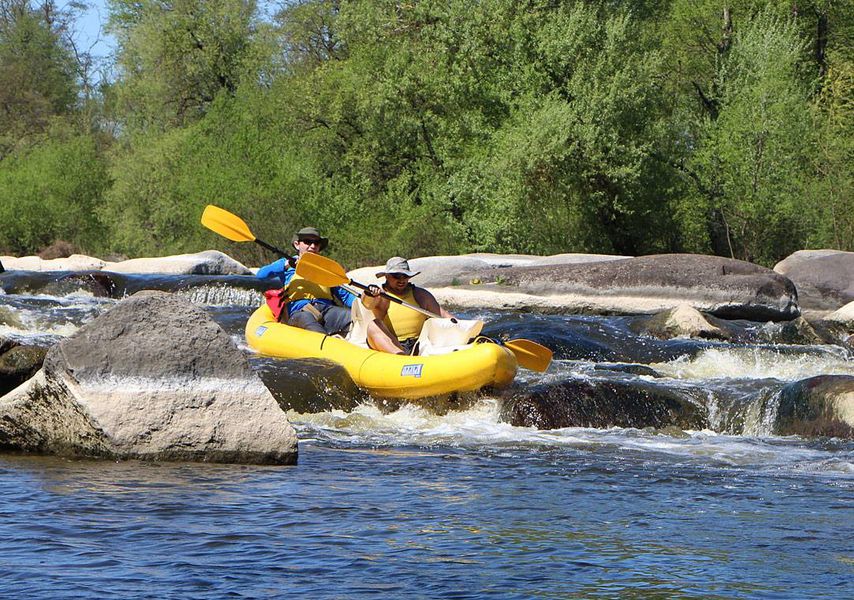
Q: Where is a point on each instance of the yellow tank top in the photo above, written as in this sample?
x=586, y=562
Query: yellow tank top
x=404, y=322
x=303, y=289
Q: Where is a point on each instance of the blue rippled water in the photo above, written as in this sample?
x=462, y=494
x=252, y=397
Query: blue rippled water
x=604, y=514
x=462, y=505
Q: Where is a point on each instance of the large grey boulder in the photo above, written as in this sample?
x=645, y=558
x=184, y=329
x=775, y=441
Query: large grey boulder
x=153, y=378
x=724, y=287
x=824, y=278
x=209, y=262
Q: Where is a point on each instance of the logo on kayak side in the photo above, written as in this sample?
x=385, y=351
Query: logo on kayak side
x=411, y=370
x=260, y=331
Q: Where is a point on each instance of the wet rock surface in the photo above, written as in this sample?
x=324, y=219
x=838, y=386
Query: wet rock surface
x=818, y=406
x=585, y=403
x=18, y=362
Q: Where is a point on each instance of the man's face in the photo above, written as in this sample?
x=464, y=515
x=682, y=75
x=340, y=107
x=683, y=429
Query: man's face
x=396, y=282
x=307, y=244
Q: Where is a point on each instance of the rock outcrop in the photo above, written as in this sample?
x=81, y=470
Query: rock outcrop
x=824, y=278
x=209, y=262
x=726, y=288
x=153, y=378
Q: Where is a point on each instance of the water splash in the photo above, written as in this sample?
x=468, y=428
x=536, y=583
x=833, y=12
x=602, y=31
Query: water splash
x=758, y=363
x=221, y=295
x=479, y=429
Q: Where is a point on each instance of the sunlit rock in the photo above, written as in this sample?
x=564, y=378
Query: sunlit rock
x=209, y=262
x=153, y=378
x=844, y=315
x=818, y=406
x=75, y=262
x=681, y=321
x=724, y=287
x=600, y=404
x=824, y=278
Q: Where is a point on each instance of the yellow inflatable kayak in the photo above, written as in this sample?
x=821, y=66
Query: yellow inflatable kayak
x=387, y=375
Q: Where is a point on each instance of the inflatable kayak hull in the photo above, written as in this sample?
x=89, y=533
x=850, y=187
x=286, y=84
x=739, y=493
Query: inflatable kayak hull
x=387, y=375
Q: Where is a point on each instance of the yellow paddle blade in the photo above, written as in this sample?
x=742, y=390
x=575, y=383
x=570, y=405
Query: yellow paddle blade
x=530, y=355
x=226, y=224
x=322, y=270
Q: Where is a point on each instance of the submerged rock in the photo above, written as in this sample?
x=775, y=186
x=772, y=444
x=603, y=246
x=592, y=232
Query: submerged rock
x=586, y=403
x=824, y=278
x=818, y=406
x=153, y=378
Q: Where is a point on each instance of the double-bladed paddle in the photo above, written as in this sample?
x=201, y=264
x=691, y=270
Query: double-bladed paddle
x=326, y=271
x=232, y=227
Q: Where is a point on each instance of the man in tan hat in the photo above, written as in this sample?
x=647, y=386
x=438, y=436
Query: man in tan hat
x=311, y=306
x=404, y=323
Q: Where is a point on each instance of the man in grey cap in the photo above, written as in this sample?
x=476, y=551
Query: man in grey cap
x=404, y=323
x=311, y=306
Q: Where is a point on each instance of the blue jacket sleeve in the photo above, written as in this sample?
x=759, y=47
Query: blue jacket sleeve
x=344, y=296
x=279, y=269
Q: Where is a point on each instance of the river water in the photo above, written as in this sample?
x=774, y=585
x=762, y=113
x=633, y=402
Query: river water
x=410, y=504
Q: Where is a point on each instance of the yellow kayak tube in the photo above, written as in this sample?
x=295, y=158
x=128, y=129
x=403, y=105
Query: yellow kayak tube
x=386, y=375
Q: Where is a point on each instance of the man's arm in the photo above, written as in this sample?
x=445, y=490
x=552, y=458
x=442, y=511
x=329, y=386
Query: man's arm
x=427, y=301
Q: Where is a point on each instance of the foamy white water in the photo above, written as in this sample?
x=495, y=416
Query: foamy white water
x=758, y=363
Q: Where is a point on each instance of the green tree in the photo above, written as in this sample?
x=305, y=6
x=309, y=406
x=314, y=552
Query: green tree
x=37, y=71
x=175, y=56
x=751, y=160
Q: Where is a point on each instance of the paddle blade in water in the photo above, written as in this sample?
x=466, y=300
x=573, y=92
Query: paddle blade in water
x=322, y=270
x=226, y=224
x=530, y=355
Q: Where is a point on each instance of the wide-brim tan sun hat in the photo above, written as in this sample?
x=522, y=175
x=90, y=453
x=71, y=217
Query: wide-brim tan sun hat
x=397, y=265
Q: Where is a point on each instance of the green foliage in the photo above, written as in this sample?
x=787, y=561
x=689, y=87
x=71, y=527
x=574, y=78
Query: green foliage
x=752, y=159
x=48, y=191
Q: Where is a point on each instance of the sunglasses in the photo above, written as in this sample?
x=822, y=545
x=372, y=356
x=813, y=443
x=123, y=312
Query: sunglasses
x=398, y=276
x=310, y=242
